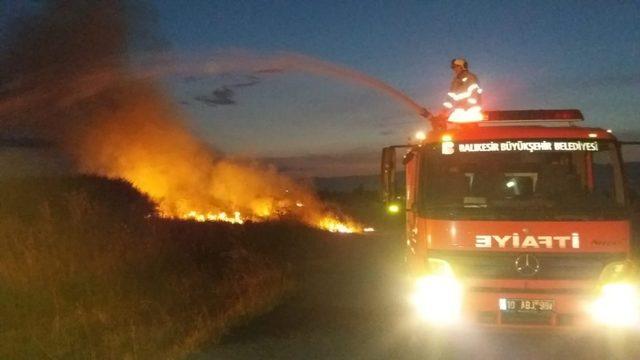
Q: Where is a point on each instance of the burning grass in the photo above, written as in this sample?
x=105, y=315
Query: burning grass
x=86, y=269
x=69, y=79
x=85, y=272
x=140, y=138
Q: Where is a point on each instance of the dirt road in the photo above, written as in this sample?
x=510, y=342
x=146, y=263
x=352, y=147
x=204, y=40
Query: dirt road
x=351, y=304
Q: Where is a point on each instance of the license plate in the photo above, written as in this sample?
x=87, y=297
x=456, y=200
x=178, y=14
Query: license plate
x=525, y=305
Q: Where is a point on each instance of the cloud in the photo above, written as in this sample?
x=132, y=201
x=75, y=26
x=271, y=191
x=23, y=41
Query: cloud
x=270, y=71
x=224, y=95
x=251, y=80
x=220, y=96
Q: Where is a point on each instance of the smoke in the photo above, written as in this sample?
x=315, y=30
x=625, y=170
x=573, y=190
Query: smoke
x=67, y=78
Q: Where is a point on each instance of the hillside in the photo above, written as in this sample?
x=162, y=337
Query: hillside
x=88, y=271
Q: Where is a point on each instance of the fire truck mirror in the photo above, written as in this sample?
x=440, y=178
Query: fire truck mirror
x=407, y=158
x=388, y=172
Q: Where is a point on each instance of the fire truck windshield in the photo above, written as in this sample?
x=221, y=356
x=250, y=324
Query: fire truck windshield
x=547, y=179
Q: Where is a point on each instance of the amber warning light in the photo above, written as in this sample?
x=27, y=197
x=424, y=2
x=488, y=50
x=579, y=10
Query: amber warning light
x=475, y=115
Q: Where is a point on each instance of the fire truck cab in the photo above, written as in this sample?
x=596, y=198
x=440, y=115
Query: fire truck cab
x=519, y=220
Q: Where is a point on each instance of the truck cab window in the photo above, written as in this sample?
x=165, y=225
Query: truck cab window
x=521, y=184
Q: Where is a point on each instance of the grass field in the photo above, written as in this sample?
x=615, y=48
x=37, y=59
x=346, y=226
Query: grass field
x=88, y=271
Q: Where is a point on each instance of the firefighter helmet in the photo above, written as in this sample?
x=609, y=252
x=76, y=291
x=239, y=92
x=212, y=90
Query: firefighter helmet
x=460, y=62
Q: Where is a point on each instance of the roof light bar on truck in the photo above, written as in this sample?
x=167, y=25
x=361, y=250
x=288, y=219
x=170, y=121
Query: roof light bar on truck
x=562, y=116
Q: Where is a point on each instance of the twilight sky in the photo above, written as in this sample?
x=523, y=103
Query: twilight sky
x=539, y=54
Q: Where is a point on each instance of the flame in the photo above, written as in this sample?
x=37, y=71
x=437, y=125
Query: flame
x=145, y=142
x=111, y=119
x=221, y=216
x=334, y=225
x=329, y=222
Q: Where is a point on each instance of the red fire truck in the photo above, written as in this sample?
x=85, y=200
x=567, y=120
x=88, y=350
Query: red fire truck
x=520, y=219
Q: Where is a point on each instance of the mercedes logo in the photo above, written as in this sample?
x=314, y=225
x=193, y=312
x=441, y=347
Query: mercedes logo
x=527, y=265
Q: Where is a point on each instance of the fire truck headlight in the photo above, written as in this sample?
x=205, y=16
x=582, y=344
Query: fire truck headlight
x=438, y=296
x=618, y=305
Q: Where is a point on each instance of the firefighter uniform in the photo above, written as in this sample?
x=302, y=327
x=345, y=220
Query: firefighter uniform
x=464, y=98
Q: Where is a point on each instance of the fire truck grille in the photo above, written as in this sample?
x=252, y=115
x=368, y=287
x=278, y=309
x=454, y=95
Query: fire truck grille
x=527, y=318
x=548, y=266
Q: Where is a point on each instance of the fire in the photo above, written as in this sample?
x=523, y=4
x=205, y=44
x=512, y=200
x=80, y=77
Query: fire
x=108, y=117
x=221, y=216
x=328, y=223
x=333, y=225
x=146, y=143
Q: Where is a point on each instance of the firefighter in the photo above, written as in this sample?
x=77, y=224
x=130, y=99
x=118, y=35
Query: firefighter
x=464, y=98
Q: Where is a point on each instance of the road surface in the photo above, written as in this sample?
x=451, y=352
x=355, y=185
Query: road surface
x=351, y=304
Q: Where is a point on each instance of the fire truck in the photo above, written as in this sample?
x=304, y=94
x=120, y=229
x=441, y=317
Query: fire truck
x=522, y=219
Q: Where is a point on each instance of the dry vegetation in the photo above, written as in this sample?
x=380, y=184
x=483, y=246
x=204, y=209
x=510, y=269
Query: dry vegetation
x=86, y=271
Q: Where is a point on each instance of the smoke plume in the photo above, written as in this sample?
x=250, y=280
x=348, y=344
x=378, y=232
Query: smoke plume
x=67, y=79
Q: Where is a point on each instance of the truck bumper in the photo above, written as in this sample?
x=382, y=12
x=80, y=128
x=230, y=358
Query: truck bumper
x=569, y=310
